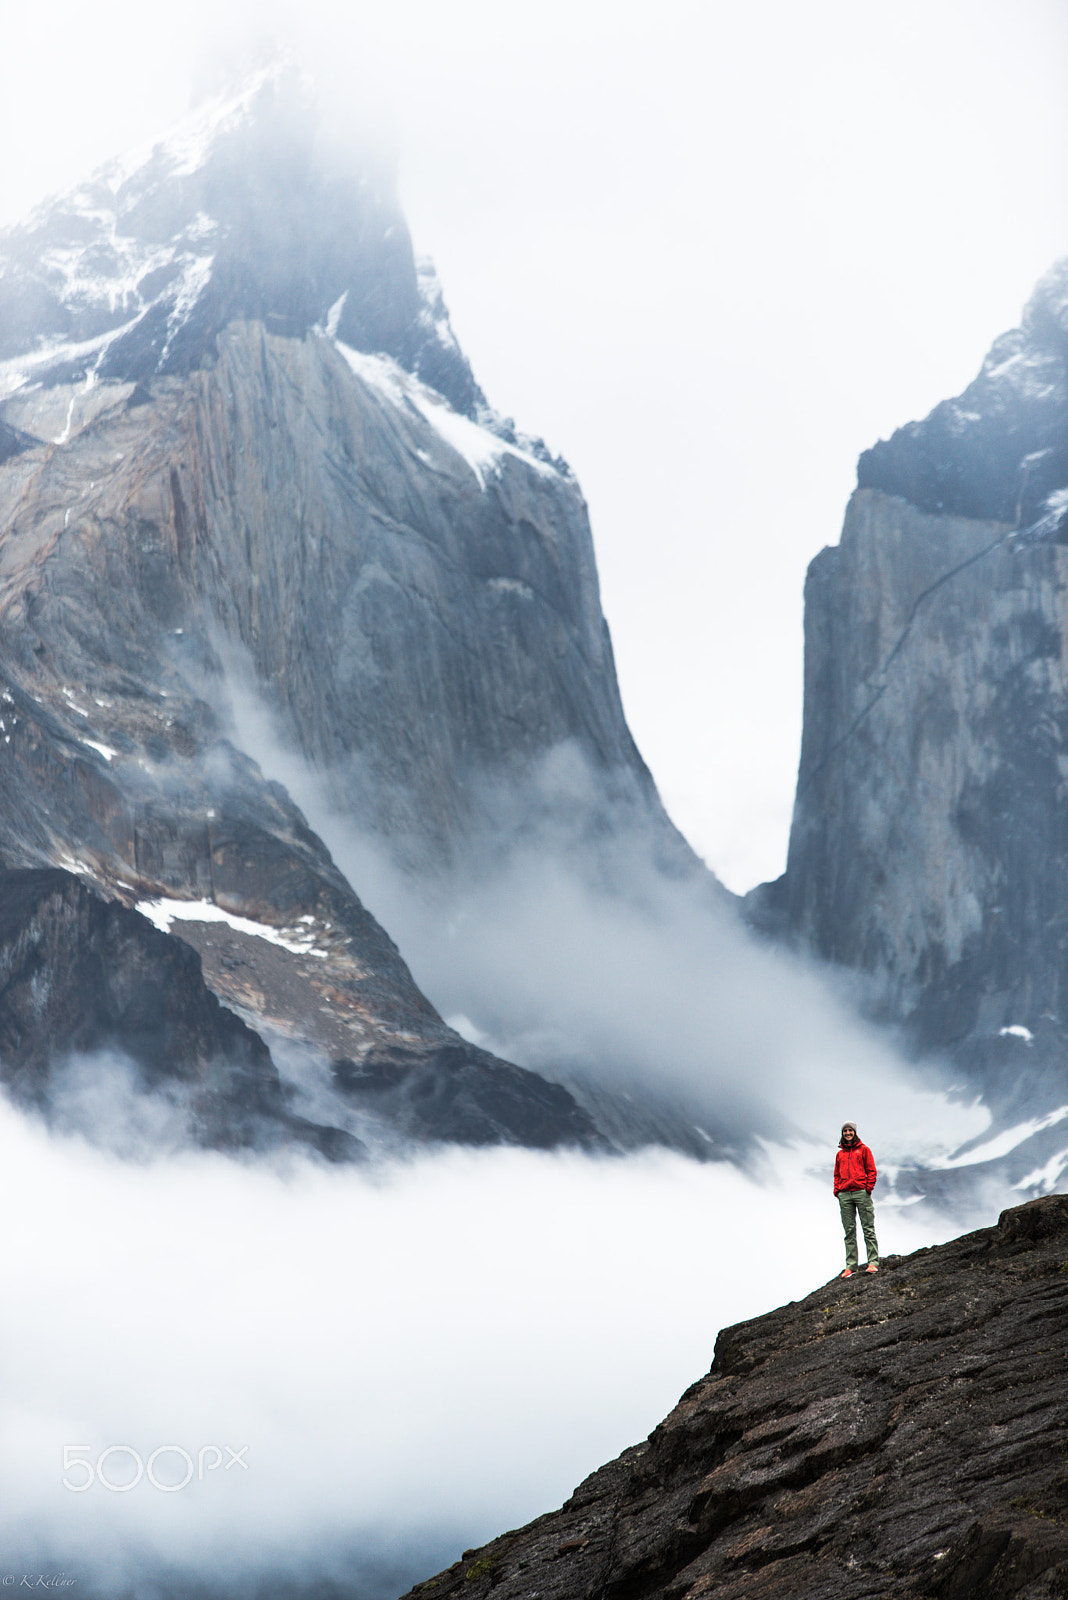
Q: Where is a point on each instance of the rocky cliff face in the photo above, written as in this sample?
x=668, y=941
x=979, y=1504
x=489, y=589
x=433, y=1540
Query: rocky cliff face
x=928, y=846
x=901, y=1436
x=418, y=598
x=237, y=430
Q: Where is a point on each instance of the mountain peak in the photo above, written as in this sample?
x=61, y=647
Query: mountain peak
x=997, y=451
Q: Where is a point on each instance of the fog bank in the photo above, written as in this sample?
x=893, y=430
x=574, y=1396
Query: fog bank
x=408, y=1359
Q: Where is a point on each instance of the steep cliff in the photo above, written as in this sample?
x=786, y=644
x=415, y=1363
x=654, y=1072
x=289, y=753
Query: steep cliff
x=928, y=846
x=241, y=443
x=893, y=1436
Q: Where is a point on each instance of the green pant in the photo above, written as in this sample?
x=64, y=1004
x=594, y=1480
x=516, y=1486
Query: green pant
x=853, y=1203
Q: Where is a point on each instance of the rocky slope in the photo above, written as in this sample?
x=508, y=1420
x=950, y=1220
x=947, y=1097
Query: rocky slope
x=243, y=457
x=928, y=847
x=86, y=982
x=902, y=1435
x=80, y=976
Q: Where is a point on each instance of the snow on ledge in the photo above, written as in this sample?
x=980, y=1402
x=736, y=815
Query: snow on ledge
x=1003, y=1143
x=163, y=912
x=1046, y=1178
x=105, y=750
x=481, y=450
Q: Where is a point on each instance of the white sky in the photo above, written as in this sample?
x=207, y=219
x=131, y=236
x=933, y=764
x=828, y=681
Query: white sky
x=710, y=252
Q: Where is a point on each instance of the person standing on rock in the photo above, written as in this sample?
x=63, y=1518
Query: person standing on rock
x=854, y=1180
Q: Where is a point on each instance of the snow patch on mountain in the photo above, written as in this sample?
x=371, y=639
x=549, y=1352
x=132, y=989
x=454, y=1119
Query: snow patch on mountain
x=482, y=450
x=1002, y=1143
x=23, y=370
x=1045, y=1179
x=433, y=313
x=91, y=255
x=100, y=296
x=162, y=913
x=333, y=316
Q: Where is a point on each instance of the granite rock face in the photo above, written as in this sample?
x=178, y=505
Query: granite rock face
x=928, y=848
x=303, y=472
x=417, y=599
x=901, y=1435
x=243, y=455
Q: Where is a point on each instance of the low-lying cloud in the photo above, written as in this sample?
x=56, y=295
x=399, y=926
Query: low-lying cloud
x=405, y=1359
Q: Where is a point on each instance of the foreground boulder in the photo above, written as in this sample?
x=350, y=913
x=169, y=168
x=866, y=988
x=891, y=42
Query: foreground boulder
x=902, y=1435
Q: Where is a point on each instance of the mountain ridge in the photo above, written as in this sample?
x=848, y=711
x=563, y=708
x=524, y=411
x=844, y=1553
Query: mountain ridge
x=999, y=450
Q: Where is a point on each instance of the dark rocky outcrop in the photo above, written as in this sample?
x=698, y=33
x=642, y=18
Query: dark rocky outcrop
x=81, y=975
x=12, y=441
x=456, y=1091
x=897, y=1436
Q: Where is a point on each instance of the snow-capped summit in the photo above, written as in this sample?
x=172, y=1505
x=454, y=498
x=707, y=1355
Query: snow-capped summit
x=238, y=212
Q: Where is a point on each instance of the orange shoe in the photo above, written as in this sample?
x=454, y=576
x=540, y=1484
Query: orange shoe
x=848, y=1273
x=871, y=1268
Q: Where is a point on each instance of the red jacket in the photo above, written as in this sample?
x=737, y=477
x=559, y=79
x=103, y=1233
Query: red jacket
x=854, y=1168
